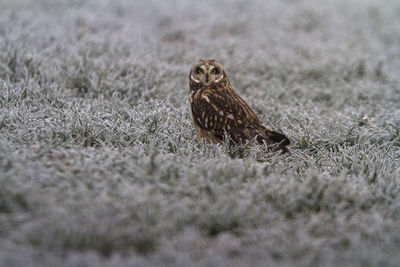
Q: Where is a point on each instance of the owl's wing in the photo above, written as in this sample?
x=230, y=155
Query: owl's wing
x=227, y=113
x=251, y=126
x=224, y=113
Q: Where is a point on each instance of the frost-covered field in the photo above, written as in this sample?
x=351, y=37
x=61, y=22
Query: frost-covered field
x=99, y=165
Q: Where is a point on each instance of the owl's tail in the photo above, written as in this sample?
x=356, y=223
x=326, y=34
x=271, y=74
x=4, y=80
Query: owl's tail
x=280, y=140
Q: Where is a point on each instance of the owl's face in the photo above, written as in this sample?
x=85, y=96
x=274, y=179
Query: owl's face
x=206, y=72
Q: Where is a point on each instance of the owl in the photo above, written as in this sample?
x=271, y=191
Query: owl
x=219, y=112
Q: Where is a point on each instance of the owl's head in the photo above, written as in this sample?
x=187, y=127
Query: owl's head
x=206, y=72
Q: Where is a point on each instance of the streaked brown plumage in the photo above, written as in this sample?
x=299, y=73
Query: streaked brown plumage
x=217, y=110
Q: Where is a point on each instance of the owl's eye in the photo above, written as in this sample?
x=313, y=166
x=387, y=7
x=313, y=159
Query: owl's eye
x=200, y=71
x=214, y=71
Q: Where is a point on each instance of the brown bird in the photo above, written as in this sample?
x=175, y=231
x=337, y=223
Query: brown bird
x=218, y=111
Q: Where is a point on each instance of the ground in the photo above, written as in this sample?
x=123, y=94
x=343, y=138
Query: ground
x=99, y=164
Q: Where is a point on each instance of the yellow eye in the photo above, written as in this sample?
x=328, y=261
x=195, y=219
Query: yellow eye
x=214, y=71
x=200, y=71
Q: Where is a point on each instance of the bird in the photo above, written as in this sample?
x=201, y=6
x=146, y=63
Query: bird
x=218, y=112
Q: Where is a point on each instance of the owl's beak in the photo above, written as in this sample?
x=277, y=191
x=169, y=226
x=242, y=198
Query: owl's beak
x=207, y=78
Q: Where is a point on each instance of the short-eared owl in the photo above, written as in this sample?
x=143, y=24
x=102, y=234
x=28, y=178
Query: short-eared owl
x=218, y=111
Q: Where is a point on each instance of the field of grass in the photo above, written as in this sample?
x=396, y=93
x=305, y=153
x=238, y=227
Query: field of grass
x=99, y=164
